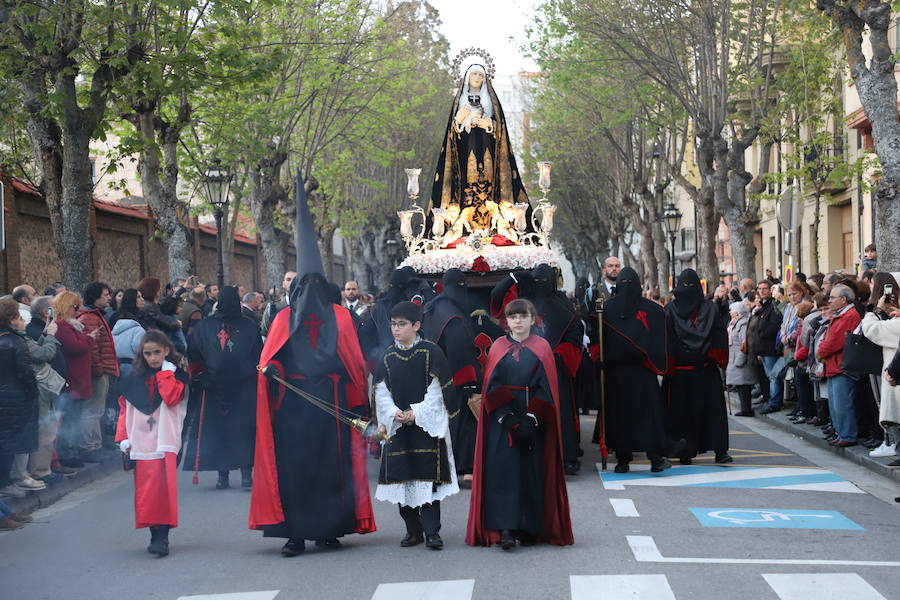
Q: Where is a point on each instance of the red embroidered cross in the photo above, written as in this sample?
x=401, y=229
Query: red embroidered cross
x=483, y=343
x=223, y=336
x=642, y=317
x=313, y=323
x=694, y=318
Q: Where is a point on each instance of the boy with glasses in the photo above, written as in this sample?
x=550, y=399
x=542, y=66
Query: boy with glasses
x=417, y=469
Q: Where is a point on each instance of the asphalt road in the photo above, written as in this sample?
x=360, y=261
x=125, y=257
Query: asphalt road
x=646, y=537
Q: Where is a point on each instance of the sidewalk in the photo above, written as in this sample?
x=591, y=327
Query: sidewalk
x=54, y=493
x=812, y=434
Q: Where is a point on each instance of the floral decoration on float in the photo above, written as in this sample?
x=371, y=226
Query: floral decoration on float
x=481, y=257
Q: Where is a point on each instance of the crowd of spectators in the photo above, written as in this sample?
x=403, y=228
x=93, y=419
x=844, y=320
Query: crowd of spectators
x=61, y=355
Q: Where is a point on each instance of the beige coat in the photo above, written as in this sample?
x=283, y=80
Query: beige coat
x=887, y=335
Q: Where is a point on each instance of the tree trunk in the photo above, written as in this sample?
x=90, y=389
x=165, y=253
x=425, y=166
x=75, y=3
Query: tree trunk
x=161, y=192
x=877, y=87
x=267, y=193
x=814, y=242
x=707, y=220
x=76, y=246
x=739, y=216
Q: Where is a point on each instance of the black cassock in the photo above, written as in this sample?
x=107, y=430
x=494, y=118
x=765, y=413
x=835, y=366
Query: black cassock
x=449, y=327
x=513, y=496
x=411, y=454
x=693, y=392
x=223, y=354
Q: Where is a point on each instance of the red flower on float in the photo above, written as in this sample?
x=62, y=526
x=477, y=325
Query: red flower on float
x=479, y=265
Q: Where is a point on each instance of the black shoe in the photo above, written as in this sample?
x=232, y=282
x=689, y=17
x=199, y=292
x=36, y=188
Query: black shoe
x=411, y=540
x=571, y=468
x=769, y=409
x=678, y=447
x=622, y=467
x=72, y=463
x=662, y=465
x=293, y=547
x=686, y=461
x=744, y=413
x=869, y=443
x=246, y=478
x=159, y=544
x=434, y=542
x=723, y=458
x=54, y=478
x=507, y=541
x=831, y=437
x=222, y=483
x=328, y=543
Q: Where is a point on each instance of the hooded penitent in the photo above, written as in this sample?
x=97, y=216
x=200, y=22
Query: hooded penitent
x=692, y=317
x=310, y=477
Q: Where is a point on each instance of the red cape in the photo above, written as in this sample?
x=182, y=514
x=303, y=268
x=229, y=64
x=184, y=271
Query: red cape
x=557, y=524
x=265, y=500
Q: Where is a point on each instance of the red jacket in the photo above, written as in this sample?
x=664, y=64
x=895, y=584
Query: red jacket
x=831, y=348
x=103, y=354
x=76, y=348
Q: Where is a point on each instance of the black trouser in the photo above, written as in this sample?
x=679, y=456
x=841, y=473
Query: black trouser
x=744, y=394
x=6, y=461
x=425, y=518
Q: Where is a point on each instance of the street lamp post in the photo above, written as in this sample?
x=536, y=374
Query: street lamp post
x=218, y=179
x=672, y=217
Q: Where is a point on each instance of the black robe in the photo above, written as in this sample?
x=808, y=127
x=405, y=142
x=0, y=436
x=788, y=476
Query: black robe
x=634, y=408
x=693, y=392
x=223, y=354
x=411, y=454
x=447, y=325
x=514, y=470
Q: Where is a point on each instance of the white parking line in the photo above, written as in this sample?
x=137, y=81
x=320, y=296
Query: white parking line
x=821, y=586
x=624, y=507
x=426, y=590
x=632, y=587
x=645, y=550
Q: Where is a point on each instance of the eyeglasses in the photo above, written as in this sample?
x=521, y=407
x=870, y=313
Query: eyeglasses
x=399, y=324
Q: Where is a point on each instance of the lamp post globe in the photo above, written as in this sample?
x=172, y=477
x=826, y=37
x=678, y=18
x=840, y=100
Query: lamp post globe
x=218, y=180
x=672, y=217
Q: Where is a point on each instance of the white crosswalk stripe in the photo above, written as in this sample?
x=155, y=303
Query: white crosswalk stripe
x=269, y=595
x=426, y=590
x=620, y=587
x=821, y=586
x=624, y=507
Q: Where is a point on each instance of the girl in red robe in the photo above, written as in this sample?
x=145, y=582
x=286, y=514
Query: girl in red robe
x=151, y=414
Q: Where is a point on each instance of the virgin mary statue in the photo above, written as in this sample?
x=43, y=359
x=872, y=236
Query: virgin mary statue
x=476, y=175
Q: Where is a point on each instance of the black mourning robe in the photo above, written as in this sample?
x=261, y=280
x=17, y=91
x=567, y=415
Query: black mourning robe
x=223, y=354
x=692, y=391
x=635, y=353
x=411, y=454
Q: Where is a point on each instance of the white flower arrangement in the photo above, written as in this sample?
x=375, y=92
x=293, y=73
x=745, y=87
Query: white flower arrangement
x=499, y=258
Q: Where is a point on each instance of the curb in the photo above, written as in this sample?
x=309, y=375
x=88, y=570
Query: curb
x=54, y=493
x=811, y=434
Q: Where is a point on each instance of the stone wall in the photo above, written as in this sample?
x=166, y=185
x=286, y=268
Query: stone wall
x=125, y=246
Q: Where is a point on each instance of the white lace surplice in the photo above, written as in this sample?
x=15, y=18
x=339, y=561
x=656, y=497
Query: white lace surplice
x=431, y=415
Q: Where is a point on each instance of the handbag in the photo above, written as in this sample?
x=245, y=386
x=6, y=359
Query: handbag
x=861, y=356
x=474, y=403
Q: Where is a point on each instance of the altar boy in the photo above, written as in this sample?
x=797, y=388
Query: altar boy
x=417, y=469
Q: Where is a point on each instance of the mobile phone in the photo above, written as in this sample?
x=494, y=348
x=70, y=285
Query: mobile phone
x=50, y=313
x=889, y=289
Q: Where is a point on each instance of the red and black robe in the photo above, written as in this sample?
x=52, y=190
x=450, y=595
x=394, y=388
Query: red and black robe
x=519, y=484
x=310, y=477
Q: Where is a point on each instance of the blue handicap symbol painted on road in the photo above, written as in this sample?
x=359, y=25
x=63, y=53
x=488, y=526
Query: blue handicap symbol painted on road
x=773, y=518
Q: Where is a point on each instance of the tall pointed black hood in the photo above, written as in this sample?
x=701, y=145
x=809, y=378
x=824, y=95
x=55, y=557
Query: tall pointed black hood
x=314, y=334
